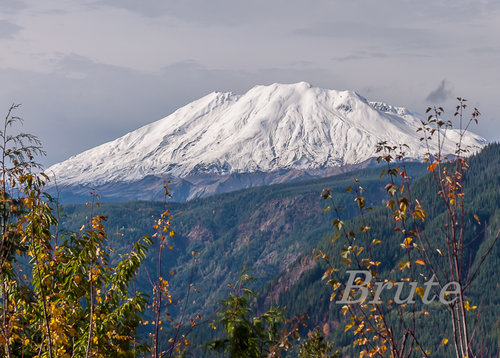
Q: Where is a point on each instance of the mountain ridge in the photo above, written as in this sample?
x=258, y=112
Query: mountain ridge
x=270, y=128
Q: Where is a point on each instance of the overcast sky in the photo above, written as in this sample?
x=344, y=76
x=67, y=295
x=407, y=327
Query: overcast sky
x=88, y=71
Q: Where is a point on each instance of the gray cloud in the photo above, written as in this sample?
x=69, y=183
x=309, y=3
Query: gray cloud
x=360, y=55
x=407, y=37
x=206, y=13
x=149, y=8
x=469, y=8
x=8, y=29
x=368, y=55
x=486, y=50
x=12, y=5
x=440, y=94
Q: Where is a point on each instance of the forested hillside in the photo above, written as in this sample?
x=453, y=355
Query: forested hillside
x=263, y=229
x=276, y=232
x=311, y=294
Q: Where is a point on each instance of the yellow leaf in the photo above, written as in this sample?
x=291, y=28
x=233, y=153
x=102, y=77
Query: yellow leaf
x=445, y=341
x=403, y=264
x=344, y=309
x=420, y=262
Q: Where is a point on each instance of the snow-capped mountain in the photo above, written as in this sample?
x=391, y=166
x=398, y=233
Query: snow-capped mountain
x=281, y=127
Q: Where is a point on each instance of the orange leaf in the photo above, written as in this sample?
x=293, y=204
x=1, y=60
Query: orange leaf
x=420, y=262
x=432, y=167
x=420, y=291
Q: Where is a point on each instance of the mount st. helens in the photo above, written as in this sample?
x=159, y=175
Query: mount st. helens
x=225, y=142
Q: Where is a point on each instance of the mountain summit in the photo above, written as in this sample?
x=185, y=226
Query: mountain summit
x=275, y=128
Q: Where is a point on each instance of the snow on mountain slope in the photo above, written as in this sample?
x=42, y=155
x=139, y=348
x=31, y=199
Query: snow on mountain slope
x=281, y=126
